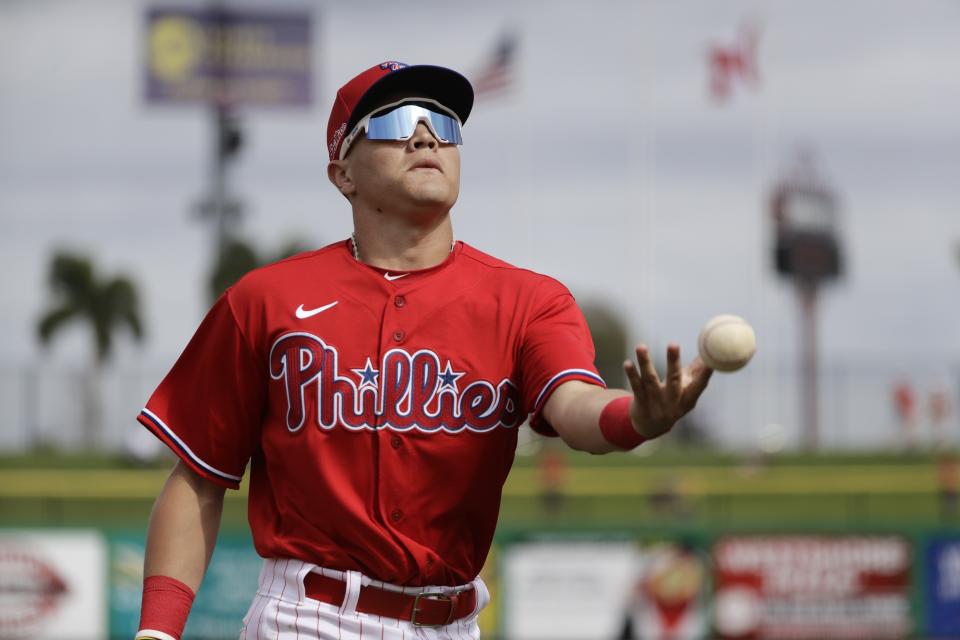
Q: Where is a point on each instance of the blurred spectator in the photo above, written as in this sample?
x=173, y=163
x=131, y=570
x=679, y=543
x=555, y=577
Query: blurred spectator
x=905, y=404
x=553, y=480
x=948, y=485
x=938, y=404
x=667, y=498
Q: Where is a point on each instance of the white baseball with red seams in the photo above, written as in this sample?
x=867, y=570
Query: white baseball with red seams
x=726, y=343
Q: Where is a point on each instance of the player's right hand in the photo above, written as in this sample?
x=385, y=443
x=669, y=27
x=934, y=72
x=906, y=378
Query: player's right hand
x=657, y=406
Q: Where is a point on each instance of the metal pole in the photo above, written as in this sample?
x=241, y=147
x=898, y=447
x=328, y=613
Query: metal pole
x=31, y=405
x=218, y=190
x=809, y=404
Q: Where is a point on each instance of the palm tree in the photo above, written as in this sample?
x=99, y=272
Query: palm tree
x=105, y=304
x=609, y=341
x=609, y=335
x=238, y=257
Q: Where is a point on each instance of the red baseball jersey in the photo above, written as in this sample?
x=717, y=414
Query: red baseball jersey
x=379, y=411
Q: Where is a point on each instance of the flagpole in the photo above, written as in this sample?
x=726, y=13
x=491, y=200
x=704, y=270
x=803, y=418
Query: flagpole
x=760, y=377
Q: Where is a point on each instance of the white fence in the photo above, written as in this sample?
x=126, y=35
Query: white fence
x=757, y=407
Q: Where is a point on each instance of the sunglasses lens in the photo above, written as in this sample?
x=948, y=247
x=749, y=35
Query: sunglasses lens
x=400, y=124
x=446, y=128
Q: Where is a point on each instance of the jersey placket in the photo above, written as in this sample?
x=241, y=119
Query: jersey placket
x=393, y=336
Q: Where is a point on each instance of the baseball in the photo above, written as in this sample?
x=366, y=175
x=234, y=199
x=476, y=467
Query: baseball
x=726, y=343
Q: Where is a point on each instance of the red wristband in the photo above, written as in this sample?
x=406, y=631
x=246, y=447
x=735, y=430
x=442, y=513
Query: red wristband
x=616, y=427
x=166, y=604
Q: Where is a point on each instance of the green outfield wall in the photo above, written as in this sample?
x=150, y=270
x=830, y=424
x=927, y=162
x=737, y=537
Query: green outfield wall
x=626, y=543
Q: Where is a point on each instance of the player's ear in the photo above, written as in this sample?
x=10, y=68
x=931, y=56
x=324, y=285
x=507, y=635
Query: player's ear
x=339, y=175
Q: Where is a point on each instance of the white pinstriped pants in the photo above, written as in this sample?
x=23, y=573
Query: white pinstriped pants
x=281, y=611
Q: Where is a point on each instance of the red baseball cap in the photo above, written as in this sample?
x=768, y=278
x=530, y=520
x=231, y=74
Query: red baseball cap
x=362, y=94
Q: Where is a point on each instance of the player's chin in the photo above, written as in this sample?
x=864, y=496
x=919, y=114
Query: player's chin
x=434, y=194
x=433, y=204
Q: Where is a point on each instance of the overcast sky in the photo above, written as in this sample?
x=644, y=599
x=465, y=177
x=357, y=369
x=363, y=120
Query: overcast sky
x=608, y=166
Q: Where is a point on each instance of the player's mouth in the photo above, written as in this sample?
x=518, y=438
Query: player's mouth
x=427, y=164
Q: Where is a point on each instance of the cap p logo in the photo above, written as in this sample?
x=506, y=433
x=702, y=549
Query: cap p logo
x=392, y=65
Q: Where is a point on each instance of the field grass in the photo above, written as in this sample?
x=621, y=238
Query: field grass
x=676, y=490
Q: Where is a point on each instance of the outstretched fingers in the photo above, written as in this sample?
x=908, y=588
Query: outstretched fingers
x=633, y=376
x=643, y=378
x=674, y=374
x=659, y=405
x=699, y=377
x=648, y=373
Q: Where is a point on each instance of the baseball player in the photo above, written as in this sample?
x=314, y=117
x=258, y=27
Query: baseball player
x=375, y=387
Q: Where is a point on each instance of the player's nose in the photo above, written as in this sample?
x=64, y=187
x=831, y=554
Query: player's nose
x=423, y=138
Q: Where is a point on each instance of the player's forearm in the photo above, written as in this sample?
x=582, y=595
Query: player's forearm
x=574, y=412
x=183, y=527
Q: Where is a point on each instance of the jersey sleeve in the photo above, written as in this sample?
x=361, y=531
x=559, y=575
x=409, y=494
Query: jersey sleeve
x=556, y=348
x=209, y=407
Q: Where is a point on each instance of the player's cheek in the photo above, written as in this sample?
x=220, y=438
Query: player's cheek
x=454, y=172
x=455, y=190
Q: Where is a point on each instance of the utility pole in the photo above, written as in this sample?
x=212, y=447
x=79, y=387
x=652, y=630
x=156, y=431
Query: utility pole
x=223, y=58
x=220, y=205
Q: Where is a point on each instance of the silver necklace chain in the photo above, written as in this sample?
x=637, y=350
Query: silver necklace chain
x=356, y=246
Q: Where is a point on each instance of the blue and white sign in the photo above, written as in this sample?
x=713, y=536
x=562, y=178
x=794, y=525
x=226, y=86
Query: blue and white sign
x=229, y=57
x=943, y=587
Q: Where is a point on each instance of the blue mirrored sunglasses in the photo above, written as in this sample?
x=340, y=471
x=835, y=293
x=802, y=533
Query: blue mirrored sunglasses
x=399, y=120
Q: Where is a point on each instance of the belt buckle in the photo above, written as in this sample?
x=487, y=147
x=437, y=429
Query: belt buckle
x=432, y=595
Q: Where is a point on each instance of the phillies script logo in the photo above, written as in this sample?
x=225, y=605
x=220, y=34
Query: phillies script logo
x=408, y=391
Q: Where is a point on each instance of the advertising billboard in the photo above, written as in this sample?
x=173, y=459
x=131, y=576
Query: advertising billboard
x=228, y=57
x=806, y=586
x=942, y=588
x=52, y=585
x=584, y=589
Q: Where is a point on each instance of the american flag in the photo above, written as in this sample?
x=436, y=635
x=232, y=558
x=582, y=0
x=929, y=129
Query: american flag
x=495, y=78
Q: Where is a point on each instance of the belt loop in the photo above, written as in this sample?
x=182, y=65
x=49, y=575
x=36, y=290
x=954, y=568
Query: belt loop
x=305, y=568
x=351, y=593
x=482, y=598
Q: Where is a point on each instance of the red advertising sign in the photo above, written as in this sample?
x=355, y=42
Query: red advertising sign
x=801, y=587
x=52, y=584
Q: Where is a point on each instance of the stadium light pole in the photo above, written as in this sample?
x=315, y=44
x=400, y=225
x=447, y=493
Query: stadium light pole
x=809, y=396
x=806, y=252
